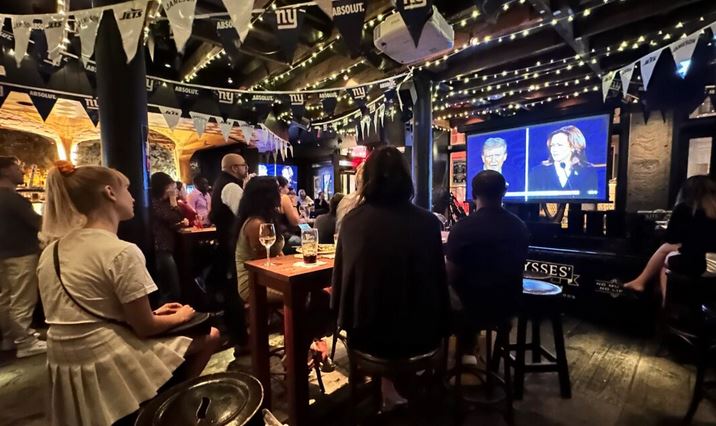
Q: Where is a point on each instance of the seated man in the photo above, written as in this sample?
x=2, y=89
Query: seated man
x=486, y=254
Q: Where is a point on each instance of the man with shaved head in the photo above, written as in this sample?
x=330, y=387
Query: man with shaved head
x=225, y=199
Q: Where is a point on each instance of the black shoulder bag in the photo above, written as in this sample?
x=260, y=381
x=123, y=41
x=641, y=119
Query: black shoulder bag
x=198, y=325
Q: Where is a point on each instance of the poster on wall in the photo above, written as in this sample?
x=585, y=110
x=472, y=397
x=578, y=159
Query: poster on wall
x=459, y=172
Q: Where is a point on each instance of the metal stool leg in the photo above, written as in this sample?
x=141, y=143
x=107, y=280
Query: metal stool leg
x=536, y=339
x=520, y=357
x=561, y=354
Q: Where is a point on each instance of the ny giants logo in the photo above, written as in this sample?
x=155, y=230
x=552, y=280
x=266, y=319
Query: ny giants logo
x=414, y=4
x=287, y=19
x=358, y=92
x=297, y=99
x=225, y=97
x=91, y=103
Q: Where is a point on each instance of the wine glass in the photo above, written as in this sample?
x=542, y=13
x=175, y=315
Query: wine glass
x=267, y=237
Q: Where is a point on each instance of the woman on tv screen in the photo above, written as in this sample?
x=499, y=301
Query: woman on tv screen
x=567, y=168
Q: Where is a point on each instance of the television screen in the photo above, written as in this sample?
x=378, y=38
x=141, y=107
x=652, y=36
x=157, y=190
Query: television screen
x=290, y=172
x=550, y=162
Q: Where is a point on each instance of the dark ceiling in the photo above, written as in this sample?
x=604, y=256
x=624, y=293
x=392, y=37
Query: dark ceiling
x=598, y=25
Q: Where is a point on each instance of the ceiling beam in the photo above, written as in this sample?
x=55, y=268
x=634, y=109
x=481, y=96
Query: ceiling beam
x=565, y=29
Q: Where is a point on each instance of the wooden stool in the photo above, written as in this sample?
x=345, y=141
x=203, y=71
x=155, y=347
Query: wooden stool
x=500, y=352
x=541, y=300
x=364, y=364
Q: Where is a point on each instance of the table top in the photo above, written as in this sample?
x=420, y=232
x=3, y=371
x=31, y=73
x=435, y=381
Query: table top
x=287, y=267
x=539, y=288
x=194, y=230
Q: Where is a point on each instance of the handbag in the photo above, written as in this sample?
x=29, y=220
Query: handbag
x=199, y=324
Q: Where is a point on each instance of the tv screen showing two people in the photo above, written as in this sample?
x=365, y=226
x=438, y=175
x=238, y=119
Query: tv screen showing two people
x=563, y=160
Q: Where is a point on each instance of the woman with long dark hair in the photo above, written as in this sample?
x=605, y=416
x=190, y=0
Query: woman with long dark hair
x=690, y=235
x=389, y=282
x=259, y=204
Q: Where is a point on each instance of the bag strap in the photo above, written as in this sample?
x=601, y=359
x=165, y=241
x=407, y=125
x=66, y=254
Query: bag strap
x=56, y=256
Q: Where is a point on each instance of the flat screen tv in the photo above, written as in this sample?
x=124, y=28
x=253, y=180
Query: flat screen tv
x=290, y=172
x=559, y=161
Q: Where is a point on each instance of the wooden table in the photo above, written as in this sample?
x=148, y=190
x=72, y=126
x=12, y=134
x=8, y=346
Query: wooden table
x=295, y=283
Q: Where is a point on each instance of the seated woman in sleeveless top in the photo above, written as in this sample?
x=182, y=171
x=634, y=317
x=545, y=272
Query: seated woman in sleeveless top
x=102, y=358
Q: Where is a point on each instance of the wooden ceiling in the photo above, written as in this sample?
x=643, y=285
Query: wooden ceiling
x=502, y=36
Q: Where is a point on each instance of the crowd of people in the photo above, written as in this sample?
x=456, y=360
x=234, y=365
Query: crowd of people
x=396, y=288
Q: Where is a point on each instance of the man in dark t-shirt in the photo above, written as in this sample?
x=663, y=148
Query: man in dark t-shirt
x=486, y=253
x=19, y=250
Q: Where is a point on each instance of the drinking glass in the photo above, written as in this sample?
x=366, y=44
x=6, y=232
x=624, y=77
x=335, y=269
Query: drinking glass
x=267, y=237
x=309, y=245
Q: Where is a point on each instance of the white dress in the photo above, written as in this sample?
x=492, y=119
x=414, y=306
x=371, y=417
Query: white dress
x=100, y=372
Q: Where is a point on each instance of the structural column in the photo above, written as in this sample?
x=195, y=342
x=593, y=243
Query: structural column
x=121, y=89
x=423, y=142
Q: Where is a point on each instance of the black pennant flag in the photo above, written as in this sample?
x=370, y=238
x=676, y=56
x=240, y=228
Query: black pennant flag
x=227, y=102
x=91, y=106
x=43, y=101
x=359, y=95
x=298, y=105
x=348, y=16
x=329, y=101
x=262, y=105
x=415, y=14
x=287, y=21
x=186, y=96
x=229, y=39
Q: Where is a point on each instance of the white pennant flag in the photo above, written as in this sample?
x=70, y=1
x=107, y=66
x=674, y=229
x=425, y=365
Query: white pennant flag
x=240, y=14
x=682, y=50
x=647, y=64
x=375, y=119
x=290, y=148
x=326, y=6
x=607, y=80
x=86, y=24
x=54, y=27
x=21, y=28
x=200, y=120
x=180, y=14
x=626, y=74
x=225, y=126
x=381, y=109
x=248, y=132
x=130, y=21
x=151, y=45
x=171, y=116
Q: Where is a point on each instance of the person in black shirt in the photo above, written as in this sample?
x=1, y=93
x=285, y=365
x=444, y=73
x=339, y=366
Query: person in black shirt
x=389, y=284
x=326, y=223
x=690, y=235
x=320, y=204
x=486, y=254
x=19, y=251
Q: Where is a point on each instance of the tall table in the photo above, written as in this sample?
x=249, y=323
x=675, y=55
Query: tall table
x=295, y=283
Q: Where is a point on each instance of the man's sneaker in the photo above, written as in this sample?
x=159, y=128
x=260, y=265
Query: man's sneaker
x=35, y=347
x=7, y=345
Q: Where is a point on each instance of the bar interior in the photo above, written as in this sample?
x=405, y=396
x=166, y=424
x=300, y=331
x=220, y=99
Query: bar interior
x=384, y=212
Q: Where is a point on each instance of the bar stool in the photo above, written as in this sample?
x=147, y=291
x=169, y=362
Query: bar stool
x=541, y=301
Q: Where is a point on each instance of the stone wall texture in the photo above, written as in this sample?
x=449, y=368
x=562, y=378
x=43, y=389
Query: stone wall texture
x=649, y=163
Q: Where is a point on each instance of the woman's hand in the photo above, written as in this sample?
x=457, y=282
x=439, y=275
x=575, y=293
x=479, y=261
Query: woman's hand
x=184, y=222
x=185, y=313
x=168, y=309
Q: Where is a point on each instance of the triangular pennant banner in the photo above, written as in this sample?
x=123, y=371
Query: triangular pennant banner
x=186, y=95
x=43, y=101
x=229, y=39
x=326, y=7
x=607, y=80
x=646, y=66
x=381, y=110
x=54, y=26
x=21, y=29
x=180, y=14
x=200, y=119
x=626, y=74
x=359, y=95
x=91, y=106
x=682, y=50
x=262, y=104
x=225, y=126
x=240, y=14
x=348, y=17
x=298, y=105
x=86, y=23
x=171, y=116
x=287, y=21
x=130, y=21
x=415, y=14
x=329, y=100
x=248, y=132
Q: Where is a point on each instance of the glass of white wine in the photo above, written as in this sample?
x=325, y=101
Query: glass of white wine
x=267, y=238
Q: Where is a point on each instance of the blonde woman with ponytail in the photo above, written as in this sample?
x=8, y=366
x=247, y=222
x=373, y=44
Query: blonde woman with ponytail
x=102, y=359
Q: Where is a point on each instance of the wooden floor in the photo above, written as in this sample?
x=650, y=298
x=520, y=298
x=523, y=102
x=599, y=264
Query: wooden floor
x=617, y=379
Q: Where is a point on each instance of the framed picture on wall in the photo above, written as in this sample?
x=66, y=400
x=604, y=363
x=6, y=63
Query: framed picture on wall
x=459, y=172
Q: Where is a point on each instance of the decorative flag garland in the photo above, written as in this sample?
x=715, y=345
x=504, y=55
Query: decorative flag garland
x=180, y=14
